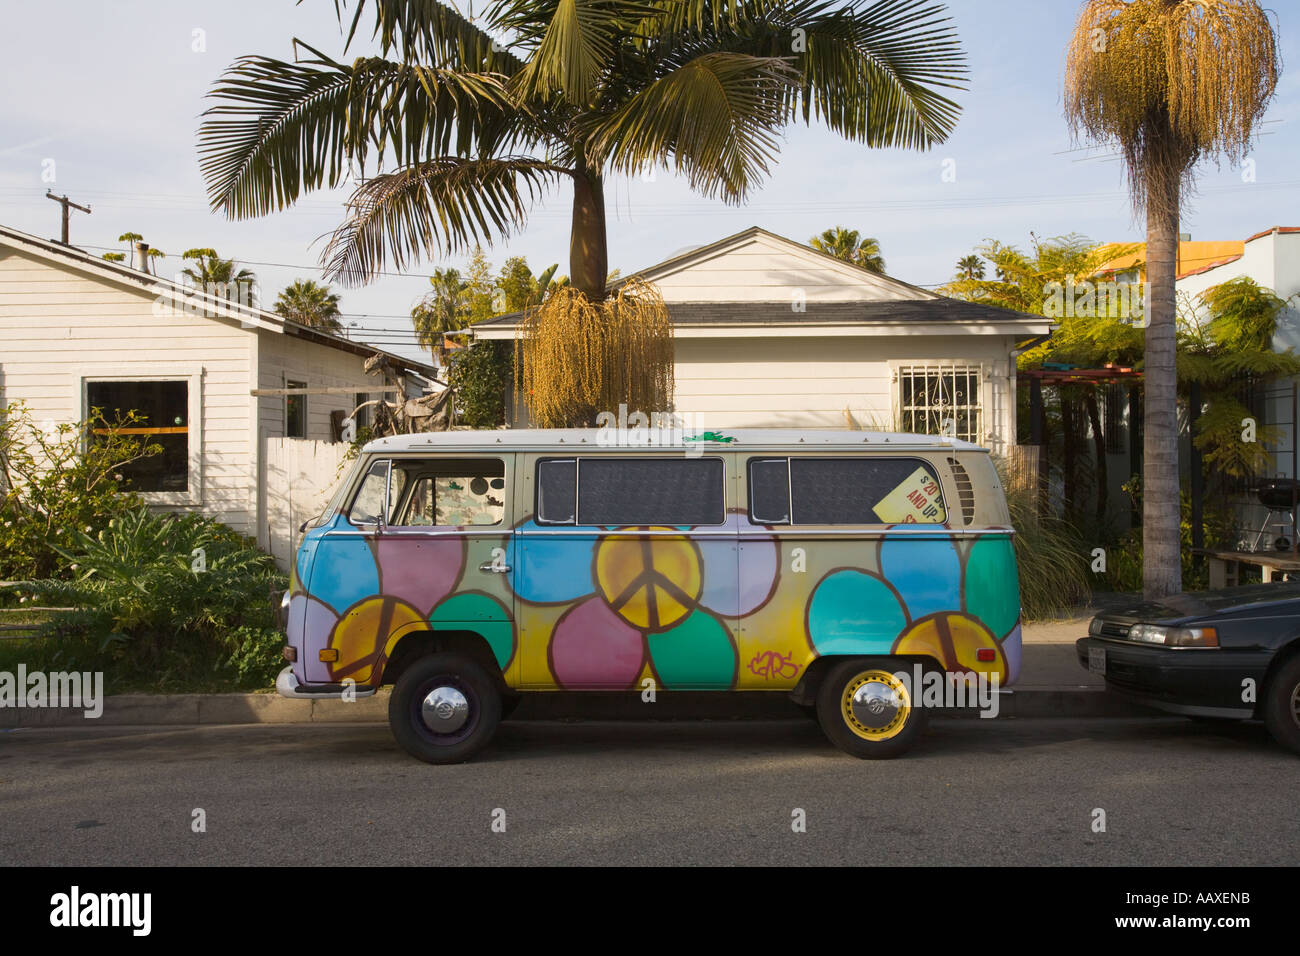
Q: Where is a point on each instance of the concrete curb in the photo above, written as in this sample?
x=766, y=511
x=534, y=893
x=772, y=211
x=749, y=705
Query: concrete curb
x=163, y=710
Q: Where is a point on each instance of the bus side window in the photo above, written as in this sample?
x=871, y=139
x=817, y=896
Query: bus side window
x=368, y=505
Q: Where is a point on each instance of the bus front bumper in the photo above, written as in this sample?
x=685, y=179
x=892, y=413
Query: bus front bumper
x=288, y=685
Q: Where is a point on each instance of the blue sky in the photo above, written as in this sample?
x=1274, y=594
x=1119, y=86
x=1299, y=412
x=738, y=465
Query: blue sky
x=111, y=93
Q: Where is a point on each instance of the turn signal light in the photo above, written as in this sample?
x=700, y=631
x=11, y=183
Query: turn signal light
x=290, y=654
x=330, y=655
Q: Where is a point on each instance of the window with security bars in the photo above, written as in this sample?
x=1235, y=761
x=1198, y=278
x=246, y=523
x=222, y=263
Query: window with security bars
x=941, y=400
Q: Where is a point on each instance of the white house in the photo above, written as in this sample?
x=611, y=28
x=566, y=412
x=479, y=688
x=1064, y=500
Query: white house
x=772, y=333
x=78, y=332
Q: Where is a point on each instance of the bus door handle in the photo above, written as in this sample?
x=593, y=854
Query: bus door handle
x=494, y=567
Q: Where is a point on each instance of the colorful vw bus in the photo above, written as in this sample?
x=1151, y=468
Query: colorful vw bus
x=469, y=568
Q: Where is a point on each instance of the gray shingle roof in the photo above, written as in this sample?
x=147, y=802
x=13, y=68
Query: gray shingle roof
x=688, y=314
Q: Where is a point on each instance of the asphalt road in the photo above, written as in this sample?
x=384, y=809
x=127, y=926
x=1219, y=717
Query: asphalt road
x=974, y=792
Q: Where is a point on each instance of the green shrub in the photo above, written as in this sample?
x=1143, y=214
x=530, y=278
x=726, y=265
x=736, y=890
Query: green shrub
x=164, y=601
x=481, y=374
x=1051, y=558
x=1124, y=559
x=56, y=481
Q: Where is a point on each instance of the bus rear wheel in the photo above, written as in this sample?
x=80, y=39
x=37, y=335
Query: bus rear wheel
x=868, y=711
x=444, y=708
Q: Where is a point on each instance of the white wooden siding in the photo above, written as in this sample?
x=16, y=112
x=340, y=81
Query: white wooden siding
x=809, y=382
x=762, y=268
x=59, y=327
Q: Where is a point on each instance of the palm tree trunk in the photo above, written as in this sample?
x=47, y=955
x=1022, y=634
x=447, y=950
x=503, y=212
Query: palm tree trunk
x=1161, y=565
x=588, y=250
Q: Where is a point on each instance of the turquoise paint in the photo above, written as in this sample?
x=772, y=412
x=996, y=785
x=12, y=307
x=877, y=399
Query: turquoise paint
x=854, y=612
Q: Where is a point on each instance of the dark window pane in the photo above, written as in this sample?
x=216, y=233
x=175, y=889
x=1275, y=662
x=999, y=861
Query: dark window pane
x=864, y=491
x=769, y=491
x=557, y=485
x=650, y=491
x=295, y=412
x=165, y=409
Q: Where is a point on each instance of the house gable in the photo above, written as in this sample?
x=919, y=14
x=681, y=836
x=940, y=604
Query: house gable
x=759, y=266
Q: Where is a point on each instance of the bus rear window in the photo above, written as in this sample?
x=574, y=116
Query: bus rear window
x=839, y=491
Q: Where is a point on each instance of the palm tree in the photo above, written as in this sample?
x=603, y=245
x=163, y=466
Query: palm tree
x=473, y=125
x=309, y=303
x=1169, y=82
x=445, y=309
x=970, y=267
x=848, y=244
x=219, y=276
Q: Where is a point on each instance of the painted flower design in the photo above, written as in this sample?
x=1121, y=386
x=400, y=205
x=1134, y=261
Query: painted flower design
x=654, y=599
x=953, y=608
x=368, y=590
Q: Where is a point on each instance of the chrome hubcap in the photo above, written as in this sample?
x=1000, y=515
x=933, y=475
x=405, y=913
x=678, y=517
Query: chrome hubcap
x=1295, y=704
x=875, y=705
x=444, y=710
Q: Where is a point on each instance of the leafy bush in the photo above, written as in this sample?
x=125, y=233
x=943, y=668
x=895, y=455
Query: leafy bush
x=1124, y=560
x=165, y=600
x=481, y=374
x=58, y=480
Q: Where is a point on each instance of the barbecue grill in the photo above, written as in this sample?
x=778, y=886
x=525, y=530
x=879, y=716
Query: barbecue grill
x=1279, y=496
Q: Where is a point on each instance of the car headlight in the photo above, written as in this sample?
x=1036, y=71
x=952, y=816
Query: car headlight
x=1174, y=636
x=1094, y=628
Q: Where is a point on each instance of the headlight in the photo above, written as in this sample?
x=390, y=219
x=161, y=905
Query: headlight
x=1094, y=628
x=1174, y=636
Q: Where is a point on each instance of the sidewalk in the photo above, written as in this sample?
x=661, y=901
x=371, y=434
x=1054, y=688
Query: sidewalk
x=1051, y=684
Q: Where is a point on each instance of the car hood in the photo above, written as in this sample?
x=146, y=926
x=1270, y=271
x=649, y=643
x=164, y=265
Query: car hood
x=1190, y=605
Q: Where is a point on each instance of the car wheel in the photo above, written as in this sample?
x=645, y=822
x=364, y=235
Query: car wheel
x=867, y=711
x=444, y=708
x=1282, y=705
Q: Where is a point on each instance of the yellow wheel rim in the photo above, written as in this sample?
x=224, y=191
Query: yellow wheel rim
x=875, y=705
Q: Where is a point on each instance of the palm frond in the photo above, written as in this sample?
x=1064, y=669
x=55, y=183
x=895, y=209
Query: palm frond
x=280, y=128
x=573, y=51
x=443, y=205
x=713, y=117
x=872, y=74
x=431, y=32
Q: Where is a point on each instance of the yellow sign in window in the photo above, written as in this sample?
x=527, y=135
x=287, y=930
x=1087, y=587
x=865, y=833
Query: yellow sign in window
x=915, y=500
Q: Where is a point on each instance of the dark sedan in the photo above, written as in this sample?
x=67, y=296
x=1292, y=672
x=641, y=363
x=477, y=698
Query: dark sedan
x=1232, y=653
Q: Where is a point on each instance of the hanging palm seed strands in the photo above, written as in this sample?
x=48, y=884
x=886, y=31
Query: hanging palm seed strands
x=1170, y=81
x=582, y=357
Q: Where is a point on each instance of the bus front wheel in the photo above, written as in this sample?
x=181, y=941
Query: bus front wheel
x=444, y=708
x=867, y=711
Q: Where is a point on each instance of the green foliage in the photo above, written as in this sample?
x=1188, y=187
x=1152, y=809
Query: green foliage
x=58, y=481
x=1050, y=556
x=849, y=245
x=1225, y=343
x=309, y=303
x=1124, y=559
x=470, y=119
x=481, y=374
x=164, y=600
x=445, y=309
x=480, y=288
x=219, y=276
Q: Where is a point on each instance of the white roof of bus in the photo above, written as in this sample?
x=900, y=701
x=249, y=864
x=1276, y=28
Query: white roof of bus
x=750, y=439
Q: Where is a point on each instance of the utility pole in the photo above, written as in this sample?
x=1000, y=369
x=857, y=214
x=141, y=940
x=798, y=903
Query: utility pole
x=65, y=202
